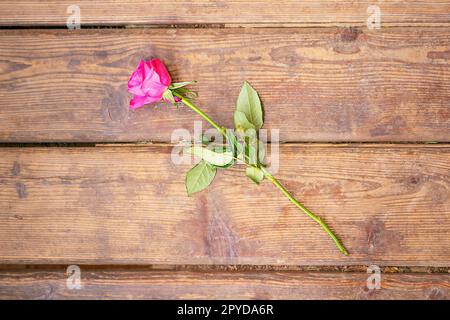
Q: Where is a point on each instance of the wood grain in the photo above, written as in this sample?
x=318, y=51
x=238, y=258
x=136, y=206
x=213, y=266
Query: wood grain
x=390, y=205
x=319, y=84
x=305, y=12
x=220, y=285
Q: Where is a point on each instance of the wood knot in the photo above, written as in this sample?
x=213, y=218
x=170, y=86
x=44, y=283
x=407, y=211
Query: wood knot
x=379, y=238
x=350, y=34
x=21, y=190
x=15, y=169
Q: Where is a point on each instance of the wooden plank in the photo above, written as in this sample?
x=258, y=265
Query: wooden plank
x=128, y=205
x=306, y=12
x=316, y=84
x=220, y=285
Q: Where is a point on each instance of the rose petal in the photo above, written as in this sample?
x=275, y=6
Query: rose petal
x=162, y=72
x=152, y=88
x=136, y=79
x=139, y=101
x=148, y=83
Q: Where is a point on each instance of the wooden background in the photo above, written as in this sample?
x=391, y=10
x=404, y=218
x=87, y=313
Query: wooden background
x=364, y=116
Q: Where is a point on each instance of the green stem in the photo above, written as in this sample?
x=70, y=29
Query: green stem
x=269, y=176
x=200, y=112
x=277, y=183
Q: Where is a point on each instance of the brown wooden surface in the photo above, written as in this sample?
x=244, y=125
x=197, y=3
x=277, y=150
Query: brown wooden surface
x=304, y=12
x=127, y=205
x=326, y=84
x=121, y=211
x=220, y=285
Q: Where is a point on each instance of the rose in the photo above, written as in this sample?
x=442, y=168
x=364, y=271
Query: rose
x=148, y=83
x=151, y=82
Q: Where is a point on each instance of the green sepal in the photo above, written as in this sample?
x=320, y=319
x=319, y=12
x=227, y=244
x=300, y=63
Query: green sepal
x=186, y=93
x=168, y=96
x=177, y=85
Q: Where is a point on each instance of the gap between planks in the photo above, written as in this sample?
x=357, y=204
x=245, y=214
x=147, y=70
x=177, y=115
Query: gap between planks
x=225, y=12
x=285, y=25
x=361, y=144
x=230, y=268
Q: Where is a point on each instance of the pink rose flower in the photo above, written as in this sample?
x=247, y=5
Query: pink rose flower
x=148, y=83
